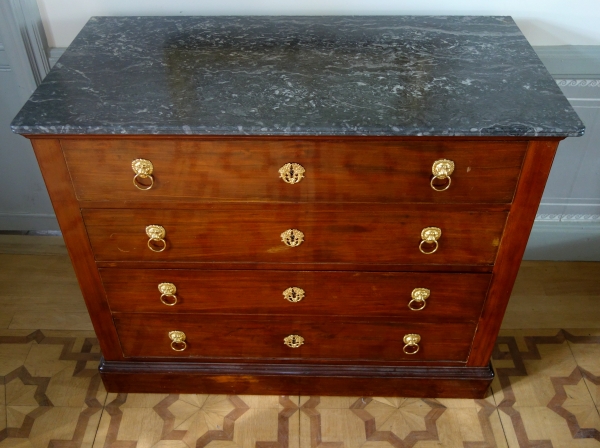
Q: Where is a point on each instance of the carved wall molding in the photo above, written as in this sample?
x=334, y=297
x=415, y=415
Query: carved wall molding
x=578, y=82
x=582, y=218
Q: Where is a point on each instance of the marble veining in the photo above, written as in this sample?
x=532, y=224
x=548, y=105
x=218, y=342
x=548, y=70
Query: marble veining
x=335, y=75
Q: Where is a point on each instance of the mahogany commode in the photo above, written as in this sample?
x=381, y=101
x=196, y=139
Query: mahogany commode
x=223, y=245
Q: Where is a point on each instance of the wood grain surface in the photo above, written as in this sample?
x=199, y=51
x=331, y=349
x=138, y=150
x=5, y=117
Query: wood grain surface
x=300, y=379
x=334, y=234
x=336, y=170
x=454, y=297
x=52, y=163
x=536, y=169
x=261, y=337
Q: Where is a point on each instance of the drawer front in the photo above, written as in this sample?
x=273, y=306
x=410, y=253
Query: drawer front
x=335, y=171
x=457, y=297
x=248, y=337
x=241, y=233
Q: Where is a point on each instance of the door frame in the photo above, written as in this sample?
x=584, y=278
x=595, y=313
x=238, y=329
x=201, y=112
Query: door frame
x=24, y=40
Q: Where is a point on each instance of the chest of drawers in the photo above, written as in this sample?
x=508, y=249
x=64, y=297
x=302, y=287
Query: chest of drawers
x=374, y=263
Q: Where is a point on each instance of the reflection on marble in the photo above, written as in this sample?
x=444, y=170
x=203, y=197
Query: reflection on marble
x=376, y=75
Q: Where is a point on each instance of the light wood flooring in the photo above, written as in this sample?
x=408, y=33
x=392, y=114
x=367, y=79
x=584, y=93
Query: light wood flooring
x=546, y=392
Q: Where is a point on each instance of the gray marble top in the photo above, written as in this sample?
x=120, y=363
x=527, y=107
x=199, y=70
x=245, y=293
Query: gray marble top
x=375, y=75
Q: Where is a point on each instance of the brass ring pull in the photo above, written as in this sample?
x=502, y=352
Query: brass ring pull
x=292, y=173
x=167, y=290
x=293, y=294
x=143, y=170
x=177, y=340
x=156, y=235
x=293, y=340
x=442, y=169
x=411, y=342
x=419, y=297
x=292, y=237
x=430, y=235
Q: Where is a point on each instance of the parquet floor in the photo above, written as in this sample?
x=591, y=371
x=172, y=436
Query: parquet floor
x=546, y=392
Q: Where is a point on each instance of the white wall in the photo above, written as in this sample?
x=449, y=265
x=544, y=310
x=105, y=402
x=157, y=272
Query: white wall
x=544, y=22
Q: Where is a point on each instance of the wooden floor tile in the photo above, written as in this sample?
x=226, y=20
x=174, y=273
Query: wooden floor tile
x=12, y=353
x=44, y=360
x=369, y=422
x=330, y=424
x=16, y=443
x=585, y=346
x=469, y=426
x=2, y=418
x=541, y=391
x=22, y=392
x=550, y=294
x=197, y=420
x=53, y=396
x=59, y=425
x=29, y=280
x=32, y=245
x=40, y=292
x=538, y=426
x=54, y=321
x=529, y=363
x=80, y=338
x=6, y=316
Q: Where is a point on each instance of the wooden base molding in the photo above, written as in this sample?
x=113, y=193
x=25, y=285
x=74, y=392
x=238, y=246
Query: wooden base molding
x=295, y=379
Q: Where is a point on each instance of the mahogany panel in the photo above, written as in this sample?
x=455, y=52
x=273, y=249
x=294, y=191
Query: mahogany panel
x=536, y=169
x=457, y=297
x=292, y=379
x=52, y=164
x=240, y=337
x=333, y=234
x=336, y=170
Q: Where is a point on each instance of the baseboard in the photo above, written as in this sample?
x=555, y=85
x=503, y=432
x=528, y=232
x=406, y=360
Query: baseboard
x=28, y=221
x=575, y=240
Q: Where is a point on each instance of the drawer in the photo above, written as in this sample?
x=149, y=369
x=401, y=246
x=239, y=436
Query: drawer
x=262, y=337
x=332, y=234
x=335, y=171
x=457, y=297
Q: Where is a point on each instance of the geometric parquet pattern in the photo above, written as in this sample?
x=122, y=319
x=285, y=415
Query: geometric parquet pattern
x=546, y=394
